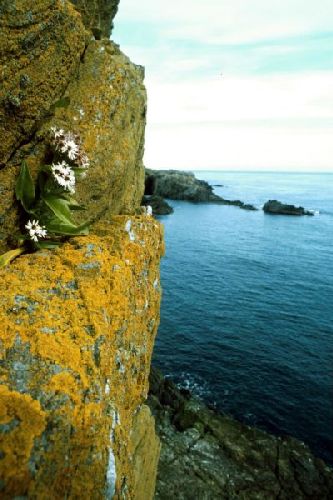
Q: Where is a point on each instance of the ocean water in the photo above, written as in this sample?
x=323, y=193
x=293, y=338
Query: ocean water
x=247, y=308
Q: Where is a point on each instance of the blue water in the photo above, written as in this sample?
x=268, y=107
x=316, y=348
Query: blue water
x=247, y=309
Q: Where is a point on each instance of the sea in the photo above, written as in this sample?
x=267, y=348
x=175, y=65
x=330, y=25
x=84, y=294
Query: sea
x=247, y=307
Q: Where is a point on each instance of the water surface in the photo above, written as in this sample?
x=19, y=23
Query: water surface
x=247, y=310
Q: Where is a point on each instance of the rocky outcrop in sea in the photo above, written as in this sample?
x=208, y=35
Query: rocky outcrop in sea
x=158, y=204
x=277, y=208
x=178, y=185
x=207, y=455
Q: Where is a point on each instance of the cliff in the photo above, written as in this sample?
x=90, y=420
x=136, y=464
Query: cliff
x=78, y=322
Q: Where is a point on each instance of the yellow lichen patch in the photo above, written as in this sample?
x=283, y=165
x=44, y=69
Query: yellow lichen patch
x=78, y=327
x=64, y=382
x=21, y=421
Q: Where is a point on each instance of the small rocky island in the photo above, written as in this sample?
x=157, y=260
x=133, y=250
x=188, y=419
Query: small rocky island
x=212, y=456
x=277, y=208
x=179, y=185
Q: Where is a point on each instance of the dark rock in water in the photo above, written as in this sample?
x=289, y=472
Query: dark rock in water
x=178, y=185
x=158, y=204
x=237, y=203
x=218, y=185
x=206, y=455
x=276, y=207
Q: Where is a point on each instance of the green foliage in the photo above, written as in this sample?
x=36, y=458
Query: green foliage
x=25, y=188
x=48, y=204
x=51, y=206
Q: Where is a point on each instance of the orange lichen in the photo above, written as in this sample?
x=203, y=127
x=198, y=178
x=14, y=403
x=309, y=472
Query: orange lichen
x=21, y=421
x=78, y=326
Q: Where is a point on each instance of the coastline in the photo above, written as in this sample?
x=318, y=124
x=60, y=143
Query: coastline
x=206, y=454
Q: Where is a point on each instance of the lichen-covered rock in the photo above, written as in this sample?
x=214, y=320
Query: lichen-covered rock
x=41, y=42
x=98, y=15
x=106, y=106
x=146, y=446
x=76, y=338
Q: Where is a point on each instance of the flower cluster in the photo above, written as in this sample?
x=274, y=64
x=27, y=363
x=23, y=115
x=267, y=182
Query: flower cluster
x=64, y=176
x=35, y=230
x=48, y=201
x=67, y=146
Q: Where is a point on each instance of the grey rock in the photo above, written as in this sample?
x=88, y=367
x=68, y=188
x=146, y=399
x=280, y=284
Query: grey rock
x=179, y=185
x=277, y=208
x=158, y=204
x=207, y=455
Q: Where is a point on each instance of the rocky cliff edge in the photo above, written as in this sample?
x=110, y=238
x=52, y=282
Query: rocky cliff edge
x=77, y=323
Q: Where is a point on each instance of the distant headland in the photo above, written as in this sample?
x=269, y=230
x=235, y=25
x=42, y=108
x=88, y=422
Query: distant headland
x=181, y=185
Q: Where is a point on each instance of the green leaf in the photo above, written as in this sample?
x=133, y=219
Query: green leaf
x=63, y=102
x=67, y=229
x=48, y=244
x=60, y=208
x=25, y=188
x=7, y=257
x=74, y=205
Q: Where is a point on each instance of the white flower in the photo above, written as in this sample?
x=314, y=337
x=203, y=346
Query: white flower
x=64, y=175
x=149, y=210
x=70, y=147
x=35, y=230
x=57, y=132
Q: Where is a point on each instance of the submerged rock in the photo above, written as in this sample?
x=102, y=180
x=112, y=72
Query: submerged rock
x=211, y=456
x=158, y=204
x=179, y=185
x=276, y=207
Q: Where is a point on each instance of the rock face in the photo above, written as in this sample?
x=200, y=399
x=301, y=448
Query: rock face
x=211, y=456
x=178, y=185
x=41, y=42
x=78, y=326
x=105, y=103
x=276, y=207
x=98, y=15
x=78, y=323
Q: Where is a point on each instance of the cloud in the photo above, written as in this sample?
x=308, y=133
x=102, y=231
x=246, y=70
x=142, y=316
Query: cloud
x=272, y=106
x=226, y=21
x=287, y=97
x=215, y=146
x=283, y=122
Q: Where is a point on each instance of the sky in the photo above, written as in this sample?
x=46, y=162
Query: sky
x=234, y=84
